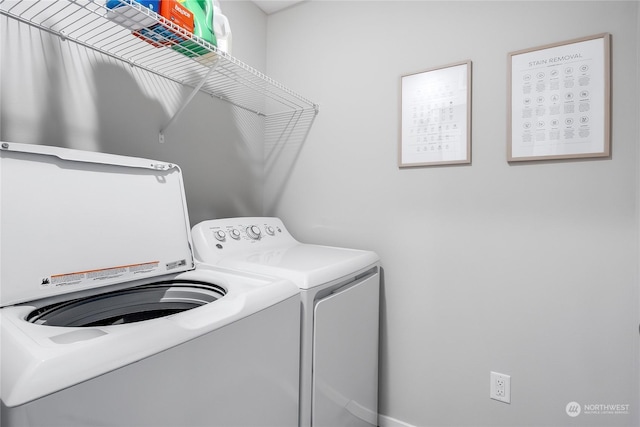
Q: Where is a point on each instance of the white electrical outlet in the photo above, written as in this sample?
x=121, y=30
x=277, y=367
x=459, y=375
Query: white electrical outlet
x=500, y=387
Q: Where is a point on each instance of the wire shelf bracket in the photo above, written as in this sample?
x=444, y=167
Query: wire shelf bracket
x=185, y=103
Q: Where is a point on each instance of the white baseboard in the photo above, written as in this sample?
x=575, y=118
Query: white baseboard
x=386, y=421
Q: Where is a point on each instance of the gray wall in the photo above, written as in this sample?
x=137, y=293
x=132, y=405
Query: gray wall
x=58, y=93
x=527, y=269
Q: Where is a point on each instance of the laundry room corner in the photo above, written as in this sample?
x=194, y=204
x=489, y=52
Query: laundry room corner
x=497, y=290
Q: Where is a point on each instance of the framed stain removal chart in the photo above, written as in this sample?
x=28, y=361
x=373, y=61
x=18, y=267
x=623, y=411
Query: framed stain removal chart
x=436, y=116
x=559, y=100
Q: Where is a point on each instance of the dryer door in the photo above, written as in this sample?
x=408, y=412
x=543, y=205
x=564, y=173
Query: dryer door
x=345, y=357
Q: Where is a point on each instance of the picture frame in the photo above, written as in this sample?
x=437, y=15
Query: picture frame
x=435, y=116
x=559, y=100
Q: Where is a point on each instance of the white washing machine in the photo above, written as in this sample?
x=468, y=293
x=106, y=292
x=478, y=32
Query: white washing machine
x=340, y=310
x=104, y=319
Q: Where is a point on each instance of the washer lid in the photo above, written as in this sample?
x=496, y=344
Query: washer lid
x=74, y=220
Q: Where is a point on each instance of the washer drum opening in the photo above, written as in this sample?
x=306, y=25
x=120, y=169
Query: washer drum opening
x=131, y=305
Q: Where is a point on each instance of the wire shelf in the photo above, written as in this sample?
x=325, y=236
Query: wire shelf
x=142, y=38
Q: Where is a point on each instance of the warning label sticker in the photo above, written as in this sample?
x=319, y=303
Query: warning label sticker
x=83, y=277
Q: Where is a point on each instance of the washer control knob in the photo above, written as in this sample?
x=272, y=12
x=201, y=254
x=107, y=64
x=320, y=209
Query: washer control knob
x=235, y=234
x=270, y=230
x=220, y=235
x=253, y=232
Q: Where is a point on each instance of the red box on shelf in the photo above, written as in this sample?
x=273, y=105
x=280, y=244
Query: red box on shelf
x=161, y=34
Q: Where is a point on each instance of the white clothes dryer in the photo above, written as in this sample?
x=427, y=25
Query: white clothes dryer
x=104, y=318
x=339, y=291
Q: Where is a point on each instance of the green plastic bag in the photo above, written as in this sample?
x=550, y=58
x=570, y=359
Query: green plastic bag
x=202, y=27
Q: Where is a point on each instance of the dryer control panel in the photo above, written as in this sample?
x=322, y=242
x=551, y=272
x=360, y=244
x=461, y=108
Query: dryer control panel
x=217, y=238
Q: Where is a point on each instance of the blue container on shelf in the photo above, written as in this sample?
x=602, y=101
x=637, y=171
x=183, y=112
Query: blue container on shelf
x=125, y=12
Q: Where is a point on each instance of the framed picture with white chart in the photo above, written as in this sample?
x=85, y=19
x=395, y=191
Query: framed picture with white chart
x=435, y=116
x=560, y=100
